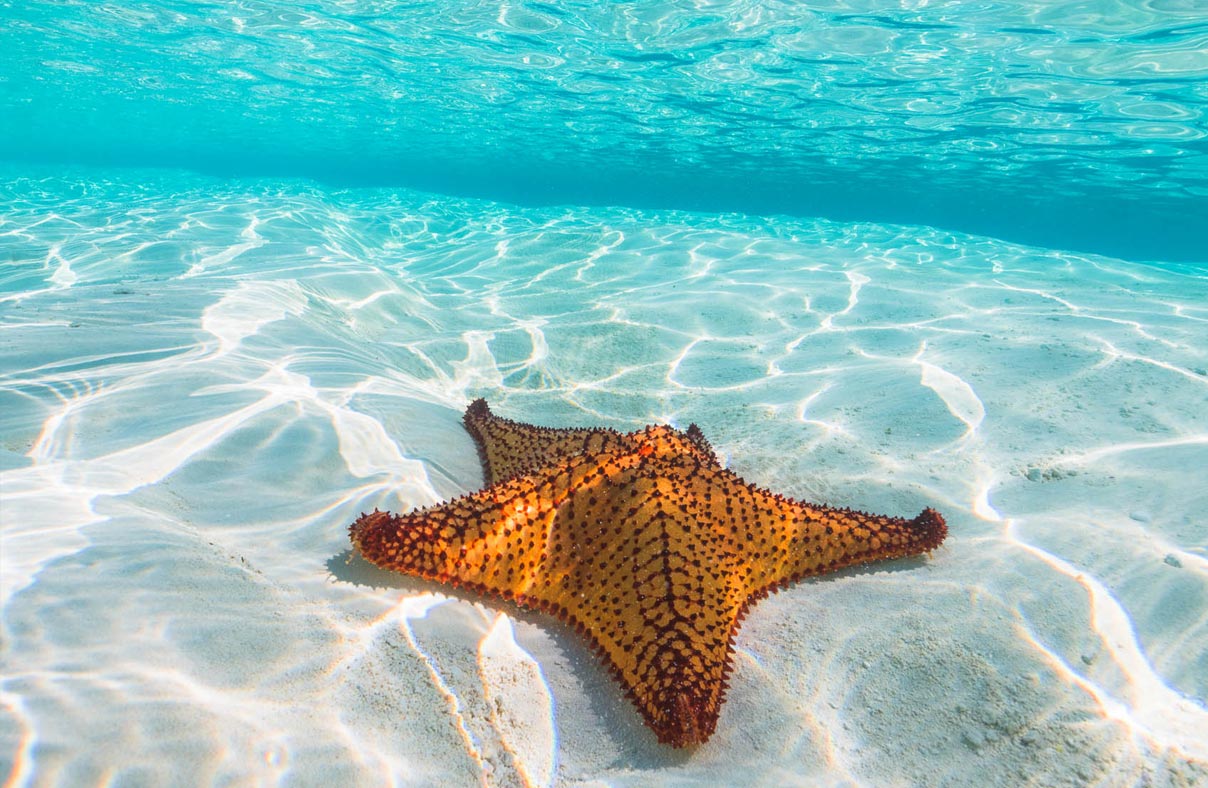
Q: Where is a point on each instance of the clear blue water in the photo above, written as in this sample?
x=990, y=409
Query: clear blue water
x=255, y=258
x=1074, y=125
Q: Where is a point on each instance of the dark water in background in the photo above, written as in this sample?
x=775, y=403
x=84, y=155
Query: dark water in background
x=1065, y=125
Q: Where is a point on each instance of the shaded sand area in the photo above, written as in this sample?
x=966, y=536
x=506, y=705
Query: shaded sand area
x=204, y=382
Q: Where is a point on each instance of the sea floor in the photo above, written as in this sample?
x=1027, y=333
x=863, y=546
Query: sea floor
x=204, y=382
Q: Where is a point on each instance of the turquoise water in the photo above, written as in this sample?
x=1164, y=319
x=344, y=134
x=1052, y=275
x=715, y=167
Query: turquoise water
x=256, y=258
x=1066, y=124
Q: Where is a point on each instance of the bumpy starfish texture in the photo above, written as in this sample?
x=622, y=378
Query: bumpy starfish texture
x=641, y=541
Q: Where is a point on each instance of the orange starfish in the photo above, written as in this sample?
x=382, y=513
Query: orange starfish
x=641, y=541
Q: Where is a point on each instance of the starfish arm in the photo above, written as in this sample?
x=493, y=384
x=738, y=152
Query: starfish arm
x=783, y=540
x=509, y=448
x=494, y=540
x=656, y=597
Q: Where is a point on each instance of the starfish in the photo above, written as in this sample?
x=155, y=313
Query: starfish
x=641, y=541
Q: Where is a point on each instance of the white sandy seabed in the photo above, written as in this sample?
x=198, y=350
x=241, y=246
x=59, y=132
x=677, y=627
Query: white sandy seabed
x=204, y=382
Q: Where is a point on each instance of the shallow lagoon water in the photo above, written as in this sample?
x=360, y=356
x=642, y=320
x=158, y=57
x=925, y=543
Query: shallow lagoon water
x=207, y=380
x=934, y=254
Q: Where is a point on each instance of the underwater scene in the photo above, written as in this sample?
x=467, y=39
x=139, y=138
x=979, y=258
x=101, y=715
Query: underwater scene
x=843, y=371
